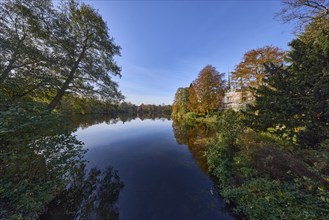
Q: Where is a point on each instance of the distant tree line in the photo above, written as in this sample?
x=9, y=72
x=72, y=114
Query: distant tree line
x=127, y=107
x=72, y=104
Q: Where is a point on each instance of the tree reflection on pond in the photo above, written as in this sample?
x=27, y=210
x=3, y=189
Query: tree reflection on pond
x=85, y=121
x=37, y=155
x=196, y=137
x=163, y=179
x=89, y=196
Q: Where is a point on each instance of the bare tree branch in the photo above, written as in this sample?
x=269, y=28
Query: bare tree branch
x=303, y=11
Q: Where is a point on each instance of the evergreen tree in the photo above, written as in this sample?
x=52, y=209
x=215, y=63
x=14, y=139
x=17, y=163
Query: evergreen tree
x=296, y=101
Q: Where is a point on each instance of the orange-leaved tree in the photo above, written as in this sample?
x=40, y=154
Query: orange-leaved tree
x=251, y=70
x=209, y=91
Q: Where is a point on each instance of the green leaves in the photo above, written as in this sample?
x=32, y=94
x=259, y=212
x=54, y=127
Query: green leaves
x=25, y=60
x=180, y=105
x=221, y=151
x=263, y=176
x=264, y=199
x=37, y=156
x=47, y=52
x=84, y=54
x=294, y=103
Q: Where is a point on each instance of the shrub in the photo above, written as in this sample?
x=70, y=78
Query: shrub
x=230, y=125
x=219, y=162
x=37, y=154
x=210, y=121
x=265, y=199
x=190, y=118
x=222, y=149
x=264, y=153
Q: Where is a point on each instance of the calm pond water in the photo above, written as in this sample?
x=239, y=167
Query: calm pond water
x=163, y=177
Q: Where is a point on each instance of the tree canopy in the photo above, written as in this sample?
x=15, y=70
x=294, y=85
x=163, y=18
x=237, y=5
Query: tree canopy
x=251, y=70
x=25, y=58
x=296, y=104
x=209, y=88
x=84, y=53
x=49, y=51
x=180, y=105
x=204, y=95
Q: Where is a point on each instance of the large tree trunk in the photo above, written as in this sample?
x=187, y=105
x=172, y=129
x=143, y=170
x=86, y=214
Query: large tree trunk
x=66, y=84
x=56, y=99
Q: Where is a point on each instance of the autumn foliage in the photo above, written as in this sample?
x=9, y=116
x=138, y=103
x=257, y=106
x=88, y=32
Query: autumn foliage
x=251, y=70
x=203, y=96
x=209, y=91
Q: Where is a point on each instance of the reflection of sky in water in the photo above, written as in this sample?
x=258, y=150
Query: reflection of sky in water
x=162, y=180
x=100, y=134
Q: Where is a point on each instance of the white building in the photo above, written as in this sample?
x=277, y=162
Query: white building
x=237, y=100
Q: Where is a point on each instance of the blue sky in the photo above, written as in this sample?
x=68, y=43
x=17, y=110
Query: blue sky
x=165, y=44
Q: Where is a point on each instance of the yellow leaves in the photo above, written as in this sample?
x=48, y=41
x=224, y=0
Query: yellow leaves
x=321, y=188
x=207, y=91
x=251, y=71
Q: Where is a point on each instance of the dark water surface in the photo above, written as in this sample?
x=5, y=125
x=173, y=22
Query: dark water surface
x=162, y=179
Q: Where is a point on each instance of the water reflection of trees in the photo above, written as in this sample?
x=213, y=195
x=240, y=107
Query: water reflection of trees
x=89, y=196
x=84, y=121
x=37, y=156
x=195, y=137
x=153, y=116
